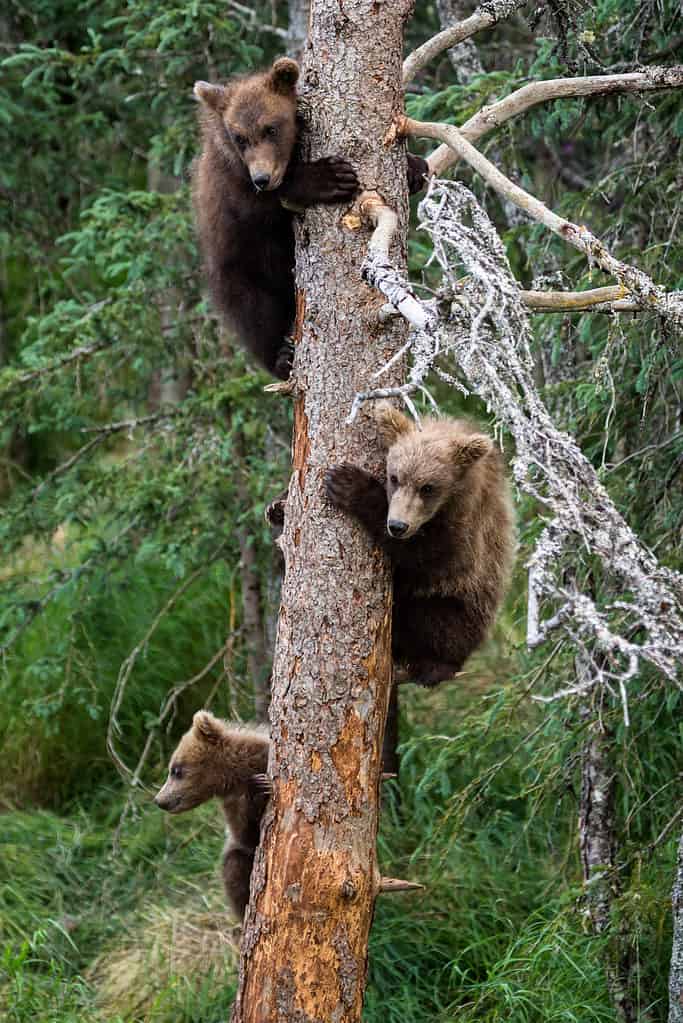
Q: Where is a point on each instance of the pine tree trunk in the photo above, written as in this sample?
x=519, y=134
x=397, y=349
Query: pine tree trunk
x=676, y=974
x=304, y=944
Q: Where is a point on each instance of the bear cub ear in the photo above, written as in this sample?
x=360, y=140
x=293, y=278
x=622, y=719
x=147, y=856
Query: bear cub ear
x=207, y=726
x=472, y=449
x=392, y=424
x=284, y=75
x=211, y=95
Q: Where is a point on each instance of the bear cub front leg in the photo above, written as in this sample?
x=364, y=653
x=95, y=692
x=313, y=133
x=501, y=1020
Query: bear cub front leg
x=329, y=180
x=355, y=491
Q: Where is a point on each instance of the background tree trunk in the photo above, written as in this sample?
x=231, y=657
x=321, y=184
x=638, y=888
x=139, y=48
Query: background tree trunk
x=252, y=601
x=676, y=974
x=297, y=32
x=304, y=944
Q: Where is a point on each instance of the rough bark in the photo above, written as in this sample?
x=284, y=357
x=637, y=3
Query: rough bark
x=315, y=879
x=676, y=973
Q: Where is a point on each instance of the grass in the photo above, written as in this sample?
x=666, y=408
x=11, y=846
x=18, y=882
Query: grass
x=113, y=917
x=125, y=923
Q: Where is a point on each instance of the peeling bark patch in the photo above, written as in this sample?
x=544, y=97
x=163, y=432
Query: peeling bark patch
x=299, y=315
x=301, y=444
x=345, y=755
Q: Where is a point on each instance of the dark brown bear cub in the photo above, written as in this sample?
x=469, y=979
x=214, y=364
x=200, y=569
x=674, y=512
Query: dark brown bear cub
x=216, y=758
x=445, y=517
x=249, y=165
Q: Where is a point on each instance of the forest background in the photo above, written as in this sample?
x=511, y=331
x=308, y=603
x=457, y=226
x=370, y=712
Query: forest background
x=137, y=454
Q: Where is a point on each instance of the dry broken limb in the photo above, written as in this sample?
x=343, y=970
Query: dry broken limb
x=486, y=332
x=652, y=79
x=653, y=296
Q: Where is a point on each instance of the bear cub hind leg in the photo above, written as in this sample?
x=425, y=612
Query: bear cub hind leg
x=237, y=865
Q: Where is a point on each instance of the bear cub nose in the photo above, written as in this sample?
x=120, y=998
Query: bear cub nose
x=260, y=179
x=396, y=527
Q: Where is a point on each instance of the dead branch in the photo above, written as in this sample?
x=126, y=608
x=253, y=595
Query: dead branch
x=651, y=295
x=484, y=328
x=484, y=17
x=653, y=79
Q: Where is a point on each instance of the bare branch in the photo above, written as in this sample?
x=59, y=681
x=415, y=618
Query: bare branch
x=395, y=884
x=484, y=17
x=612, y=297
x=652, y=296
x=653, y=79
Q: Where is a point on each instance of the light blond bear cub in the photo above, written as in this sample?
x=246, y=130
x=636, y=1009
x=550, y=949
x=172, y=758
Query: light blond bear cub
x=444, y=515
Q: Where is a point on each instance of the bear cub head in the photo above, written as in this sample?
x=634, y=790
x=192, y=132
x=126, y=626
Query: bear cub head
x=253, y=121
x=427, y=467
x=211, y=759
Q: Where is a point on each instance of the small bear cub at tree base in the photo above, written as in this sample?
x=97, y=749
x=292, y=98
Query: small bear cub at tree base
x=248, y=165
x=444, y=515
x=216, y=758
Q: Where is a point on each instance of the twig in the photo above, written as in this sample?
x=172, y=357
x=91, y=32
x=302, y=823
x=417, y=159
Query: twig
x=113, y=728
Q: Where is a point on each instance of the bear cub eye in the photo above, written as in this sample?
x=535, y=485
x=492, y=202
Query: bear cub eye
x=427, y=489
x=240, y=141
x=176, y=771
x=393, y=480
x=270, y=131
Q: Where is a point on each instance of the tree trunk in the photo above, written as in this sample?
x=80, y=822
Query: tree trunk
x=597, y=844
x=304, y=944
x=676, y=974
x=252, y=604
x=464, y=57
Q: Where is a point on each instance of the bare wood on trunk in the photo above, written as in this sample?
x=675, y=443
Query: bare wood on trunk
x=304, y=944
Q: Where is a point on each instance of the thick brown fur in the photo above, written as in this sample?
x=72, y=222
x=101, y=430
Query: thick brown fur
x=447, y=502
x=218, y=759
x=248, y=166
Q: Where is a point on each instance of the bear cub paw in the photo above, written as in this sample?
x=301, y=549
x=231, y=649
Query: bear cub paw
x=347, y=486
x=331, y=179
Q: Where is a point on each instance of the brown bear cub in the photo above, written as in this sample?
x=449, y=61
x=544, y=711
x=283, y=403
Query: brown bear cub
x=216, y=758
x=445, y=517
x=248, y=166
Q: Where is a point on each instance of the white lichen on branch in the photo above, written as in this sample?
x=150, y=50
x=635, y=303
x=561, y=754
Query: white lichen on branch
x=482, y=326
